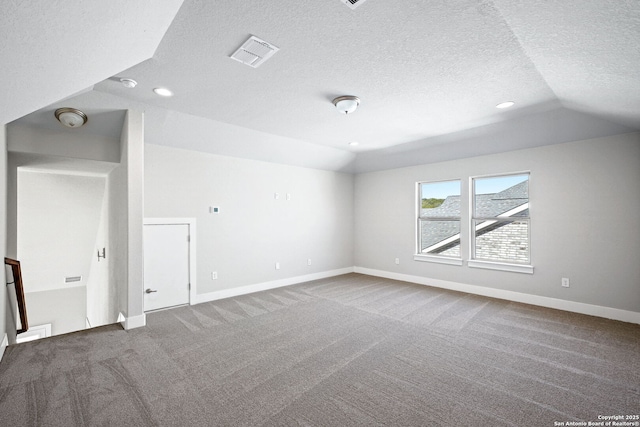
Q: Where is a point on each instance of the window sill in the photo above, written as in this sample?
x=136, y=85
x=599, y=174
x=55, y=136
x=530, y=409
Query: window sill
x=514, y=268
x=437, y=259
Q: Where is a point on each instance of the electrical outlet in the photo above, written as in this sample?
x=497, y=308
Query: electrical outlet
x=277, y=266
x=565, y=282
x=288, y=196
x=397, y=260
x=309, y=261
x=214, y=275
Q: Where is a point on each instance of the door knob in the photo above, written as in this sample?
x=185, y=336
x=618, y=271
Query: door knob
x=150, y=291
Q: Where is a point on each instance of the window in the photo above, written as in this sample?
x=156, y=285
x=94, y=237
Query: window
x=500, y=221
x=438, y=226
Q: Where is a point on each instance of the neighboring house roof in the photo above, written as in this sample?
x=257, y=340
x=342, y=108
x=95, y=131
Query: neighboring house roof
x=492, y=205
x=447, y=233
x=441, y=230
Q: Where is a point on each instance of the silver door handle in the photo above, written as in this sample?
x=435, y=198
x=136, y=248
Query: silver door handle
x=150, y=291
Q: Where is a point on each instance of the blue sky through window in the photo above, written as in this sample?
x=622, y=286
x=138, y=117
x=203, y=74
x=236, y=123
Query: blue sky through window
x=439, y=190
x=497, y=184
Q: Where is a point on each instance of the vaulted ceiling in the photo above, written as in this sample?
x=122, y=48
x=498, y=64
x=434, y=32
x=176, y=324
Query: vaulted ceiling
x=429, y=73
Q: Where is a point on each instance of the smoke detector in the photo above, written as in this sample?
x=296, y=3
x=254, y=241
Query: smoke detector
x=254, y=52
x=353, y=3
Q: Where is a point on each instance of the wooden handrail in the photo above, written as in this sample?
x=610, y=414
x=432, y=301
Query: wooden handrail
x=17, y=281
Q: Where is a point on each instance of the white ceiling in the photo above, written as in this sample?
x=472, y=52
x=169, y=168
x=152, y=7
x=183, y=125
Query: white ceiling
x=428, y=74
x=52, y=49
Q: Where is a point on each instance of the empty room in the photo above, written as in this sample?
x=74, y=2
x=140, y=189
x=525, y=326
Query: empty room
x=331, y=213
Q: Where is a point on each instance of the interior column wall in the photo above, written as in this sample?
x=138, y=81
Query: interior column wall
x=126, y=202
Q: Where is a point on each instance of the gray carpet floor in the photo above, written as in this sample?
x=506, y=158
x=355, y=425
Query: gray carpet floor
x=345, y=351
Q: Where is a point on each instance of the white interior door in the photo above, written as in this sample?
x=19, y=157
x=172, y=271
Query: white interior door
x=166, y=265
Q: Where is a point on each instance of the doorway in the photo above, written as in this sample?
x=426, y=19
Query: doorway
x=62, y=223
x=169, y=262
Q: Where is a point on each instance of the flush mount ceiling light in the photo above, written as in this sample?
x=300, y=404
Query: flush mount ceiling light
x=505, y=104
x=163, y=91
x=354, y=143
x=128, y=83
x=346, y=104
x=70, y=117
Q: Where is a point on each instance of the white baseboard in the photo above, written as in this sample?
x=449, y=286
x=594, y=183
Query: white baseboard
x=560, y=304
x=3, y=345
x=133, y=321
x=264, y=286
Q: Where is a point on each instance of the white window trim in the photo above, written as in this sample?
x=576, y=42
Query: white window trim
x=438, y=259
x=502, y=266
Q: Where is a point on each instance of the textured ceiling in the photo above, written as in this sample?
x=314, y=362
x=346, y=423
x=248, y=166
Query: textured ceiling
x=429, y=74
x=421, y=68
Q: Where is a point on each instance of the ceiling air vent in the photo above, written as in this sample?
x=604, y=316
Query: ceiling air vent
x=353, y=3
x=254, y=52
x=72, y=279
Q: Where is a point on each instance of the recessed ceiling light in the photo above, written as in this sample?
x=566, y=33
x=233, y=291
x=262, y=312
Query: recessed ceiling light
x=163, y=91
x=353, y=143
x=505, y=104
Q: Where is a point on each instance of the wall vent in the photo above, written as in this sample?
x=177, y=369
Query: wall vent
x=254, y=52
x=72, y=279
x=353, y=3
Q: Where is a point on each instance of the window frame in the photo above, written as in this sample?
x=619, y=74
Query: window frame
x=436, y=258
x=504, y=265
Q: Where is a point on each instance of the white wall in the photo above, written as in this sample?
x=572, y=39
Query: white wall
x=585, y=220
x=133, y=139
x=62, y=143
x=58, y=218
x=45, y=307
x=99, y=305
x=126, y=198
x=117, y=251
x=4, y=312
x=253, y=230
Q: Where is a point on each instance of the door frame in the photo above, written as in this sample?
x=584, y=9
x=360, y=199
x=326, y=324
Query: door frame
x=191, y=222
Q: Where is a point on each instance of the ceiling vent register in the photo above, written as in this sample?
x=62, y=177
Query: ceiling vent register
x=254, y=52
x=353, y=3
